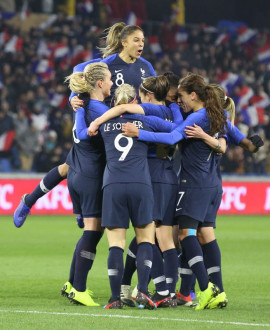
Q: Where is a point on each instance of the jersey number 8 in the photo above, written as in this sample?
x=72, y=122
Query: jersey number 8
x=125, y=150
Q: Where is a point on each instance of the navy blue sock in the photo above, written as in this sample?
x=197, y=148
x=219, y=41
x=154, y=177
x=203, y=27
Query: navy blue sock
x=186, y=276
x=171, y=268
x=144, y=264
x=194, y=255
x=85, y=255
x=212, y=261
x=115, y=270
x=73, y=263
x=130, y=265
x=50, y=180
x=157, y=271
x=193, y=282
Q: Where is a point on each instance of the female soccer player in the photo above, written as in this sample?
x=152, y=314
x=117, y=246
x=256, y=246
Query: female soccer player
x=124, y=46
x=86, y=167
x=206, y=235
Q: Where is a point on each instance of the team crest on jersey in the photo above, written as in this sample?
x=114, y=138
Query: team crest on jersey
x=142, y=72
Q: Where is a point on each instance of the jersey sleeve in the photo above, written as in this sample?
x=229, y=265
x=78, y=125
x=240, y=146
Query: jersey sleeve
x=151, y=69
x=153, y=122
x=153, y=110
x=235, y=136
x=98, y=110
x=80, y=125
x=158, y=124
x=177, y=115
x=177, y=134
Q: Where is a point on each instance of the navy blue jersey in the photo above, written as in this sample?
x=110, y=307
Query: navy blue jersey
x=127, y=73
x=112, y=129
x=171, y=114
x=126, y=157
x=234, y=135
x=87, y=156
x=199, y=162
x=160, y=155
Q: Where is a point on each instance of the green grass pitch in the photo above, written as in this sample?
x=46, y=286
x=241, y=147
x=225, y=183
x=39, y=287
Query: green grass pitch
x=35, y=260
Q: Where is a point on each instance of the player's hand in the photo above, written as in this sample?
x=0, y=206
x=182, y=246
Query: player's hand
x=256, y=140
x=194, y=131
x=129, y=129
x=93, y=129
x=76, y=103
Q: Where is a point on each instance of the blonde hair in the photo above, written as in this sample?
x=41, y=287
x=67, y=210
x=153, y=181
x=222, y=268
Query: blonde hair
x=114, y=37
x=124, y=94
x=82, y=82
x=226, y=102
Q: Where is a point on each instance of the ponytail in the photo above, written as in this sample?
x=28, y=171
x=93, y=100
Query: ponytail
x=125, y=94
x=82, y=82
x=114, y=37
x=214, y=111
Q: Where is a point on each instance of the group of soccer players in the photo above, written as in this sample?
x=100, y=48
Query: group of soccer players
x=126, y=172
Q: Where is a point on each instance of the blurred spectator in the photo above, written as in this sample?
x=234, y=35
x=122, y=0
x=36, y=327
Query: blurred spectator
x=7, y=134
x=35, y=64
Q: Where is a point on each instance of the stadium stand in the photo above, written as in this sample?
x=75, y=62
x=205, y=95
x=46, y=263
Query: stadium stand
x=35, y=61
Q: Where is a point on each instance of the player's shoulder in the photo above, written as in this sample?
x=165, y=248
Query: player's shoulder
x=142, y=60
x=109, y=59
x=80, y=67
x=146, y=65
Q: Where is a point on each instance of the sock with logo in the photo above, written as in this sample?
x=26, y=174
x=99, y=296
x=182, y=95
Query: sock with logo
x=115, y=270
x=130, y=265
x=194, y=256
x=50, y=180
x=85, y=255
x=171, y=269
x=144, y=265
x=212, y=261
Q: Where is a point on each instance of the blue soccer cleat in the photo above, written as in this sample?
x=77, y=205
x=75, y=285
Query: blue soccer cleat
x=80, y=222
x=21, y=213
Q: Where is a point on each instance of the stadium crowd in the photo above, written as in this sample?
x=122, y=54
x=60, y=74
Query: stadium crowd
x=35, y=117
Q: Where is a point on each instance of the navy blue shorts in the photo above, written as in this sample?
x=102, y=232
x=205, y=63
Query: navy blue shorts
x=85, y=193
x=164, y=202
x=124, y=201
x=201, y=204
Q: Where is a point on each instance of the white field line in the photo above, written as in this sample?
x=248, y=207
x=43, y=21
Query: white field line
x=137, y=317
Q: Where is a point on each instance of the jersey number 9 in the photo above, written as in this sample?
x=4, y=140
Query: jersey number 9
x=125, y=150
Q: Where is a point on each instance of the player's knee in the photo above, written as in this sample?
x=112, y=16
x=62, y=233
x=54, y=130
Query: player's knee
x=183, y=233
x=63, y=170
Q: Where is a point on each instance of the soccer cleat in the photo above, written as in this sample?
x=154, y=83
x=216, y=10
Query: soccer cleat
x=183, y=300
x=125, y=296
x=144, y=301
x=134, y=293
x=80, y=222
x=207, y=295
x=193, y=295
x=115, y=304
x=66, y=289
x=163, y=301
x=220, y=301
x=81, y=298
x=21, y=213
